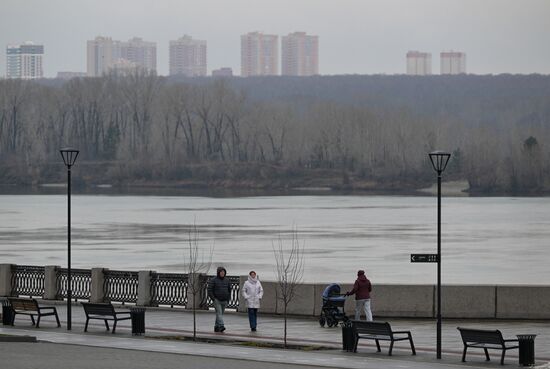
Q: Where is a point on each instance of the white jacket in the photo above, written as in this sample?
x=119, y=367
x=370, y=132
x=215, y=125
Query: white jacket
x=253, y=293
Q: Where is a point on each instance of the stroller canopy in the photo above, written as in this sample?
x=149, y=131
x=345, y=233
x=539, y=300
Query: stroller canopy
x=332, y=292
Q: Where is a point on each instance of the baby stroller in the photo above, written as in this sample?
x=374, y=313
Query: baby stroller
x=332, y=310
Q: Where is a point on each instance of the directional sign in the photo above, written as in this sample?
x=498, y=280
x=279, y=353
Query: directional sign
x=424, y=258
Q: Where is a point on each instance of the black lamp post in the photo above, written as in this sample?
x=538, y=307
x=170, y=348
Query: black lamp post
x=439, y=161
x=69, y=157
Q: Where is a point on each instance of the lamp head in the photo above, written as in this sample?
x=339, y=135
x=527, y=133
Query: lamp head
x=69, y=156
x=439, y=160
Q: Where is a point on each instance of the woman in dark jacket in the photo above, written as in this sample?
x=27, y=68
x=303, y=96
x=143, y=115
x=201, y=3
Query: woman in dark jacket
x=219, y=290
x=362, y=289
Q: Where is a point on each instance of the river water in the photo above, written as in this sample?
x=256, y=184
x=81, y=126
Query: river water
x=491, y=240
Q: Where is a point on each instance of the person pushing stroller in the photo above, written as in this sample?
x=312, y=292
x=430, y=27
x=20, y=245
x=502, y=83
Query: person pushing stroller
x=361, y=289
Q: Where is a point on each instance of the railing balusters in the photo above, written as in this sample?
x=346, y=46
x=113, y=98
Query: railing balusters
x=169, y=289
x=81, y=283
x=119, y=286
x=27, y=280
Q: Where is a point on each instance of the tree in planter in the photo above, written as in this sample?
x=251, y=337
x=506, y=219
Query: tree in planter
x=196, y=263
x=289, y=271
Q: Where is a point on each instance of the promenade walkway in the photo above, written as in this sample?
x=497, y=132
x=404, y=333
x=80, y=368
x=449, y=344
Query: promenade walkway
x=304, y=331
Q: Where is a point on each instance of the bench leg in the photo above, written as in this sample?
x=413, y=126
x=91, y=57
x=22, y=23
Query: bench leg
x=32, y=319
x=377, y=345
x=114, y=327
x=391, y=348
x=57, y=318
x=487, y=358
x=502, y=357
x=464, y=354
x=355, y=344
x=106, y=324
x=38, y=321
x=412, y=344
x=86, y=325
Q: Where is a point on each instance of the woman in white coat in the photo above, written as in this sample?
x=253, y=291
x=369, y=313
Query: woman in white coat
x=253, y=293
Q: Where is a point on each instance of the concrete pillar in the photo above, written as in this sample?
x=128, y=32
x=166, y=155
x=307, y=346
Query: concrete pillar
x=196, y=282
x=242, y=302
x=144, y=288
x=50, y=282
x=5, y=279
x=96, y=287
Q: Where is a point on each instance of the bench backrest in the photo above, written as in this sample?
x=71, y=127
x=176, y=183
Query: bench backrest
x=98, y=309
x=481, y=336
x=23, y=304
x=375, y=328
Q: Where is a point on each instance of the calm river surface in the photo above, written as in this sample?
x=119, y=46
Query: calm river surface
x=492, y=240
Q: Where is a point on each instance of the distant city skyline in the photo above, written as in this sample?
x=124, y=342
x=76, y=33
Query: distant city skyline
x=499, y=36
x=299, y=56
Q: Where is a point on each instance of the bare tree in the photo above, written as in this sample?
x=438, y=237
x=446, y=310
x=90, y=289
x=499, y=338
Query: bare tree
x=289, y=271
x=196, y=262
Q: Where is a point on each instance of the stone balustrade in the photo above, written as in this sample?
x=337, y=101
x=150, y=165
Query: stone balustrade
x=388, y=300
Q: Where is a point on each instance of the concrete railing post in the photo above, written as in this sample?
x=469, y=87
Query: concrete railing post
x=96, y=287
x=50, y=282
x=144, y=288
x=5, y=279
x=196, y=283
x=242, y=302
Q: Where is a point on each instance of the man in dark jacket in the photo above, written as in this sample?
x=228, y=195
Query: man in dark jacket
x=219, y=290
x=361, y=290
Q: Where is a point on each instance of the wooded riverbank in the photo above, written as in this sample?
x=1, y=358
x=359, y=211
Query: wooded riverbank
x=347, y=133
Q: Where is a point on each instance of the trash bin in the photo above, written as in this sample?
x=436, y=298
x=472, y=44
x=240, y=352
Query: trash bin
x=526, y=349
x=138, y=321
x=348, y=336
x=7, y=312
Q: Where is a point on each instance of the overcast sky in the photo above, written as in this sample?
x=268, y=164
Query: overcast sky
x=355, y=36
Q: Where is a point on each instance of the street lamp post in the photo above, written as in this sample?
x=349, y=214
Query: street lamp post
x=439, y=161
x=69, y=158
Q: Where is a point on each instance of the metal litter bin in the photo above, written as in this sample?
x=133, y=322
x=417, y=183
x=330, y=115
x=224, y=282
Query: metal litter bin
x=526, y=349
x=348, y=336
x=7, y=312
x=137, y=316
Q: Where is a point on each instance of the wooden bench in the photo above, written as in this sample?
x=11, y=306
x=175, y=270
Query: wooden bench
x=485, y=339
x=103, y=312
x=30, y=307
x=379, y=331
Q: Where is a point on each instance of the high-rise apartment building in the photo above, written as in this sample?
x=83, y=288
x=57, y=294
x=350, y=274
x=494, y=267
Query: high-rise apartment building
x=24, y=61
x=142, y=53
x=104, y=52
x=101, y=54
x=419, y=63
x=188, y=57
x=300, y=54
x=453, y=62
x=259, y=54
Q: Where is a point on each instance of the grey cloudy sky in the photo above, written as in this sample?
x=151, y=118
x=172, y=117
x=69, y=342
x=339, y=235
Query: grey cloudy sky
x=356, y=36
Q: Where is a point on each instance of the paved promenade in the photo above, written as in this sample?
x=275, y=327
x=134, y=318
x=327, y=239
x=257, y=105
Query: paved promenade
x=304, y=331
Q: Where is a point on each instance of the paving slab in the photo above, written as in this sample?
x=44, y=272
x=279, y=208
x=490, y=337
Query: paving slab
x=303, y=331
